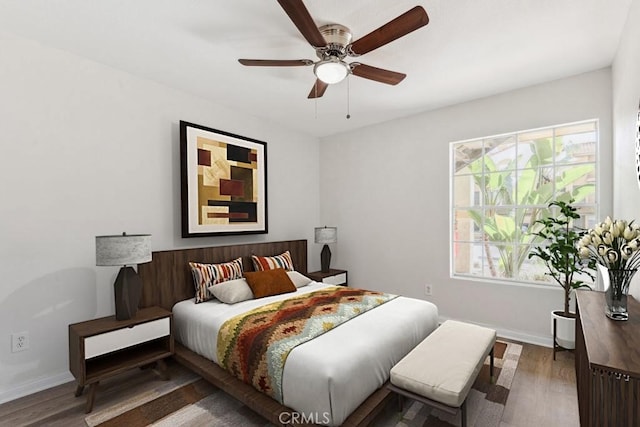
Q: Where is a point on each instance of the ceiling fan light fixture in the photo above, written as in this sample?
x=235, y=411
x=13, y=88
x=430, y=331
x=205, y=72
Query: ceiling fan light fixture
x=334, y=42
x=331, y=70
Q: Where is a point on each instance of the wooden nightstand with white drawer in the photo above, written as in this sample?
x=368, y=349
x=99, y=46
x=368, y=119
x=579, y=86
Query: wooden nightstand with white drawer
x=331, y=277
x=104, y=347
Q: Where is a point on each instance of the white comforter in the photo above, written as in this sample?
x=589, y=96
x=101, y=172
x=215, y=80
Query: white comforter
x=328, y=377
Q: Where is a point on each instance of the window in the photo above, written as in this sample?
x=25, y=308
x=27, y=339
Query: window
x=500, y=185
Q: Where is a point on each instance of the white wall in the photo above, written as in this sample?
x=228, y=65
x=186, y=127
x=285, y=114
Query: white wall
x=386, y=188
x=88, y=150
x=626, y=97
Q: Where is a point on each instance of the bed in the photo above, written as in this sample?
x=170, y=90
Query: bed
x=345, y=386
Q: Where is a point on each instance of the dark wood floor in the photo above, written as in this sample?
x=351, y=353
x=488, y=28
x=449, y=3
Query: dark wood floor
x=543, y=394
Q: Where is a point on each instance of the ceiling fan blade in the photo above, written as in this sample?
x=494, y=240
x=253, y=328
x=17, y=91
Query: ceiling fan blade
x=275, y=62
x=392, y=30
x=377, y=74
x=300, y=16
x=318, y=89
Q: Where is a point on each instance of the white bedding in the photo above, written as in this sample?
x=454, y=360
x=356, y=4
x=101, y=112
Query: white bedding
x=328, y=377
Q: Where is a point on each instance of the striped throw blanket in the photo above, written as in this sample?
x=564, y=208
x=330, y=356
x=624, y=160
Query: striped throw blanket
x=254, y=346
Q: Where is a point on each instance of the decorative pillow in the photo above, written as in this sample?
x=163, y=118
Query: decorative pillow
x=269, y=282
x=298, y=279
x=232, y=291
x=262, y=263
x=205, y=275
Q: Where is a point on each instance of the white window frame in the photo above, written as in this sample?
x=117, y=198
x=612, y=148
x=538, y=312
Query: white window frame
x=452, y=207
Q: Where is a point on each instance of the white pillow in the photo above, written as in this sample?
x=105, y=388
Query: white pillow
x=232, y=291
x=298, y=279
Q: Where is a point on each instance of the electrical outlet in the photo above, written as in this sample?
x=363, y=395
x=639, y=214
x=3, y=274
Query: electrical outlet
x=427, y=290
x=19, y=341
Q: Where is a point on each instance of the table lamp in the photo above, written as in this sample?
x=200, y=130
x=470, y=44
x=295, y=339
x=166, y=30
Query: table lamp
x=125, y=250
x=326, y=235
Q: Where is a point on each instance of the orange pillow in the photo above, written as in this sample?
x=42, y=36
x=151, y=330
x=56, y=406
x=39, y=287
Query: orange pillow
x=269, y=282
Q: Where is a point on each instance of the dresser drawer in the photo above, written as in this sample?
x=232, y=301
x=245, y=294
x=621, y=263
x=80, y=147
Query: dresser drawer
x=107, y=342
x=338, y=279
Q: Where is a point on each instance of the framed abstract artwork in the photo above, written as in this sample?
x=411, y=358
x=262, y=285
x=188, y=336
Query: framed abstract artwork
x=224, y=182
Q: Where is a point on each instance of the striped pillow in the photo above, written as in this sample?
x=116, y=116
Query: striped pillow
x=205, y=275
x=262, y=263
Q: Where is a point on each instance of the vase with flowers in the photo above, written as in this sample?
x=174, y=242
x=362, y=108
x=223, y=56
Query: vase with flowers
x=614, y=245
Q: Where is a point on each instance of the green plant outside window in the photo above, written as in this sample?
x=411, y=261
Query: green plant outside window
x=502, y=185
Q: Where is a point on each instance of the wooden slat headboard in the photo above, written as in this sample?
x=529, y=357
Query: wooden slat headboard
x=167, y=278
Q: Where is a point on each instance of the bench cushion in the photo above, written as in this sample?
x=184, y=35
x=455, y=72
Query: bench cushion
x=444, y=365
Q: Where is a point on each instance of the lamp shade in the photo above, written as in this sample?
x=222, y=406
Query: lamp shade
x=331, y=70
x=326, y=235
x=125, y=249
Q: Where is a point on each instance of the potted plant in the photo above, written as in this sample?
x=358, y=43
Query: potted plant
x=561, y=255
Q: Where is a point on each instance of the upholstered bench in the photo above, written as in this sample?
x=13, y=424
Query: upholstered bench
x=440, y=371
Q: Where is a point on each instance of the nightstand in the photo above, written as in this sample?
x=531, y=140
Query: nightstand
x=105, y=347
x=331, y=277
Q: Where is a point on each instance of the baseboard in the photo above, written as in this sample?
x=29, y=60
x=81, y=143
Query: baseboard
x=526, y=338
x=35, y=386
x=544, y=341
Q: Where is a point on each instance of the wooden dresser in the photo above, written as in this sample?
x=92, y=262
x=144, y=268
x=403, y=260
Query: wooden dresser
x=607, y=363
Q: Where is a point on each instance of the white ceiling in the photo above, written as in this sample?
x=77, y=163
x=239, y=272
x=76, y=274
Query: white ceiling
x=469, y=49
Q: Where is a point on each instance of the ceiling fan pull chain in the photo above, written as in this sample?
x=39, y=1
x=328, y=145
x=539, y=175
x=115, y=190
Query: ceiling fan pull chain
x=348, y=93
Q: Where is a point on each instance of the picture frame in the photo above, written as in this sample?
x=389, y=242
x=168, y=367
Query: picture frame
x=223, y=182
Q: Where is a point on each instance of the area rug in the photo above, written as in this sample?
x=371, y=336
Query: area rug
x=185, y=400
x=188, y=400
x=485, y=402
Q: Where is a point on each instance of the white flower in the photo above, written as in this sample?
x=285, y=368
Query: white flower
x=612, y=243
x=614, y=232
x=626, y=251
x=602, y=249
x=629, y=234
x=608, y=221
x=612, y=256
x=586, y=239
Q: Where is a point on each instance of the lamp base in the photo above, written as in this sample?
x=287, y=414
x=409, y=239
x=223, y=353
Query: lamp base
x=325, y=259
x=127, y=288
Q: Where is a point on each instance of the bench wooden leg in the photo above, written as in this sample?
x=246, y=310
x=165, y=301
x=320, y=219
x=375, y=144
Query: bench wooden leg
x=463, y=414
x=492, y=379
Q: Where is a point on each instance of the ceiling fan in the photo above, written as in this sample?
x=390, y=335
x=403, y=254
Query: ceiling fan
x=333, y=44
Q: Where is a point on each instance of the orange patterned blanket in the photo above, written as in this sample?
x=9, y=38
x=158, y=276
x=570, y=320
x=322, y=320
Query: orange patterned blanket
x=254, y=346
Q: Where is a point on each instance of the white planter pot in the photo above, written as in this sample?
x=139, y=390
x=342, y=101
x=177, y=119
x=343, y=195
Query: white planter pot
x=565, y=329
